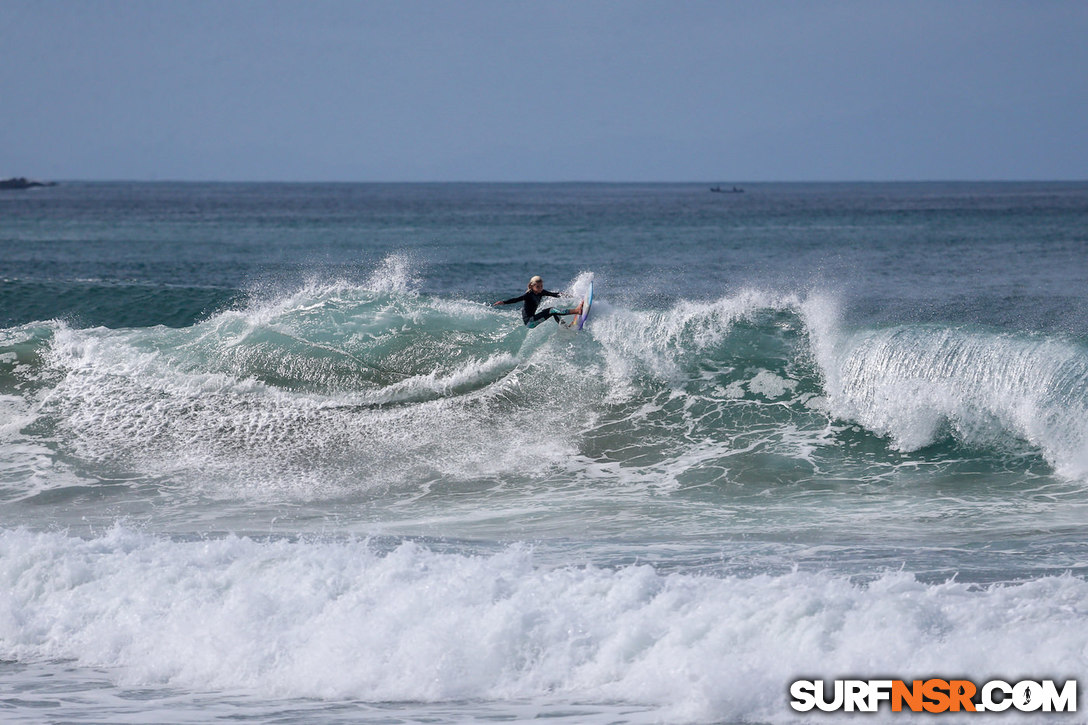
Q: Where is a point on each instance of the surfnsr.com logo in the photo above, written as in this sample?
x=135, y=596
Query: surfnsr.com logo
x=934, y=695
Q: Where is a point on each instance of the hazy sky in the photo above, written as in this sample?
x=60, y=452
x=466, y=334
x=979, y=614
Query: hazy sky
x=509, y=90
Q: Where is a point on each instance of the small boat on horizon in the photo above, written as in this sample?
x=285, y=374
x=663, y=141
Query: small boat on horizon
x=720, y=190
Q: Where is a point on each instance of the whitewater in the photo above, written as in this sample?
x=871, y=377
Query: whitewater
x=268, y=452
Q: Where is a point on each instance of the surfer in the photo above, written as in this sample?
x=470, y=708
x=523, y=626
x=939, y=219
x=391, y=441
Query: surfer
x=532, y=299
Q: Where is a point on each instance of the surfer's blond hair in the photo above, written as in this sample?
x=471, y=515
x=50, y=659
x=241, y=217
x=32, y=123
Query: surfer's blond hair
x=535, y=279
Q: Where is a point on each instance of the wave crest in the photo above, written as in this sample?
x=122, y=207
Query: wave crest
x=336, y=386
x=916, y=384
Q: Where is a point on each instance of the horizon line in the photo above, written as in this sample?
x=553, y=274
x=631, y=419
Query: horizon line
x=120, y=180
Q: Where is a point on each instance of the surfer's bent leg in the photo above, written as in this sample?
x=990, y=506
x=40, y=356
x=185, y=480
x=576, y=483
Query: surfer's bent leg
x=559, y=312
x=553, y=312
x=539, y=317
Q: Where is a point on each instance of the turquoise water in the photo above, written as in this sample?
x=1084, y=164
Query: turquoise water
x=267, y=451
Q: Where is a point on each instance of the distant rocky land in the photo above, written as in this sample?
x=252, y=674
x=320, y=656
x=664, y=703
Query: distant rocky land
x=21, y=182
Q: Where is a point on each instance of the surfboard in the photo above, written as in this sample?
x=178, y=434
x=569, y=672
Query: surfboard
x=587, y=302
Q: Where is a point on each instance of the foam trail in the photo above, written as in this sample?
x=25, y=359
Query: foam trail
x=327, y=389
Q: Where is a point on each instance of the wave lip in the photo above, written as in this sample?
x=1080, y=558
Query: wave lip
x=917, y=384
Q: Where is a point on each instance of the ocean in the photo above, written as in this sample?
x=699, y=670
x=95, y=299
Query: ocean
x=268, y=453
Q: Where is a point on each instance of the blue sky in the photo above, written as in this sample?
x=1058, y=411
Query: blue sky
x=502, y=90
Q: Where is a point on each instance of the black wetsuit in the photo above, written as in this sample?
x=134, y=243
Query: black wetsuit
x=532, y=300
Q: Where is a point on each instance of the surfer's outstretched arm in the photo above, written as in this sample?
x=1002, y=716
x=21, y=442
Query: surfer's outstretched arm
x=511, y=301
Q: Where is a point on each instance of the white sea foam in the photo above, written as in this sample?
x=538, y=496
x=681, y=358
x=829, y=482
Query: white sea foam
x=27, y=466
x=771, y=386
x=340, y=620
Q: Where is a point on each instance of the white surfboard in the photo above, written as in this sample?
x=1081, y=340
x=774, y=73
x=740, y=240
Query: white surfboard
x=587, y=302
